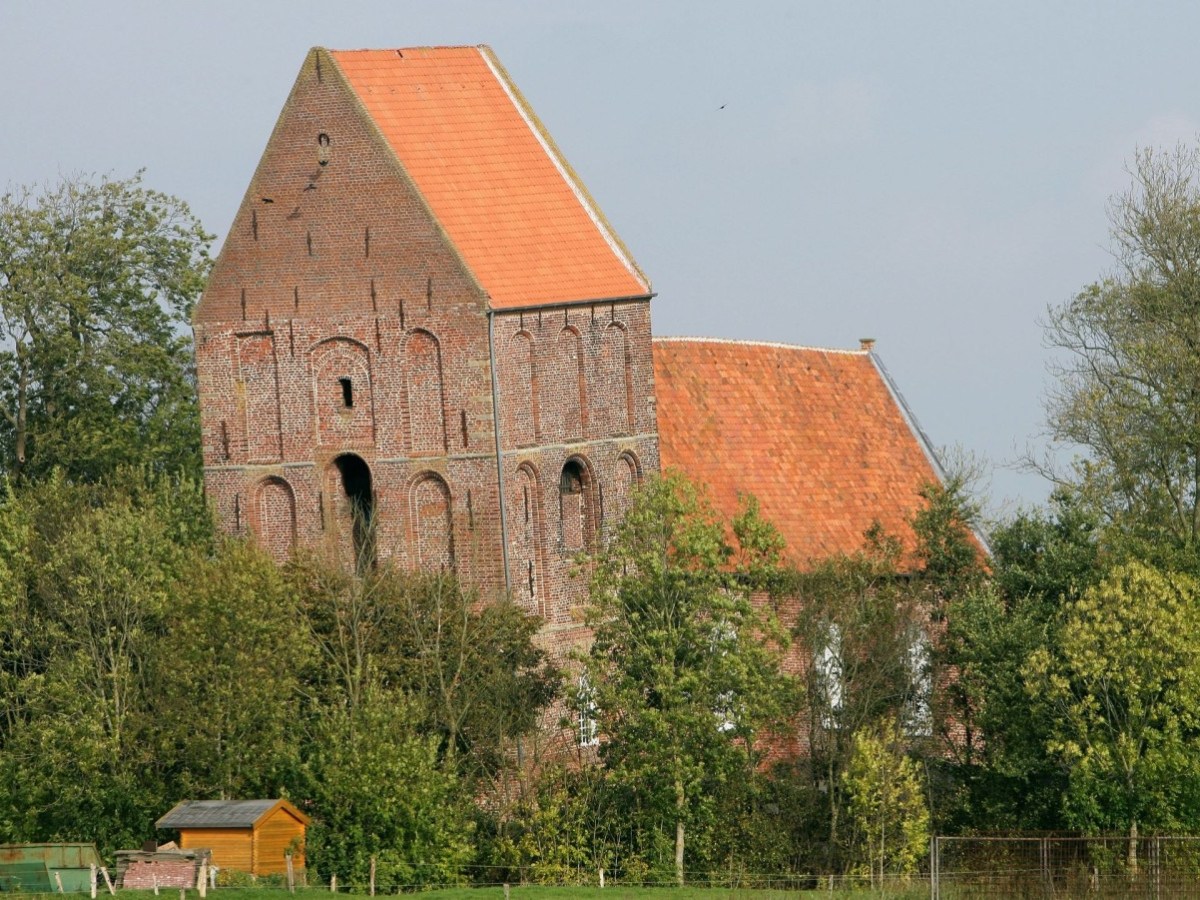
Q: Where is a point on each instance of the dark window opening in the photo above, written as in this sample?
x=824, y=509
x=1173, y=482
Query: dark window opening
x=356, y=482
x=576, y=515
x=347, y=392
x=572, y=478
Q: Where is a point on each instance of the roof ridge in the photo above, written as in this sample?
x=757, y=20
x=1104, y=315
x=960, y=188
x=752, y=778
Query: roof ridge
x=413, y=47
x=779, y=345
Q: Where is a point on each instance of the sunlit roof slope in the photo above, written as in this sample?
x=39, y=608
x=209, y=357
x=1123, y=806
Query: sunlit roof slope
x=816, y=435
x=493, y=178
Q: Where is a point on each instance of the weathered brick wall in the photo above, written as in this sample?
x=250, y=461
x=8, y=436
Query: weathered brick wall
x=339, y=320
x=576, y=385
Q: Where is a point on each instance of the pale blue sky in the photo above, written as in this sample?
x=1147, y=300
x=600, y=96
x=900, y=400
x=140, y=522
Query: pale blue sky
x=928, y=174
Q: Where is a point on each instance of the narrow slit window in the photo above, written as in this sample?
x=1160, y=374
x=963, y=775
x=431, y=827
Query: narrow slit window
x=347, y=392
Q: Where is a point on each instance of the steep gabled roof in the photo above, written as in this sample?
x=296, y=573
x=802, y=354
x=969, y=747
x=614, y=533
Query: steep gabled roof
x=223, y=813
x=522, y=221
x=818, y=436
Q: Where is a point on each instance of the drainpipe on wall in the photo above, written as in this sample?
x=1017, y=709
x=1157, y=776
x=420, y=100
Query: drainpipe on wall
x=491, y=317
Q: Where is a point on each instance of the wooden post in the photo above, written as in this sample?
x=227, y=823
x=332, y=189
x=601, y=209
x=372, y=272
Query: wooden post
x=202, y=880
x=108, y=881
x=601, y=878
x=182, y=894
x=291, y=873
x=58, y=881
x=372, y=876
x=935, y=888
x=333, y=883
x=93, y=870
x=506, y=890
x=153, y=880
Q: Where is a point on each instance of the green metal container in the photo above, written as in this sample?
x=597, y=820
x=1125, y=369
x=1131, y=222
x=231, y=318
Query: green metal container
x=32, y=867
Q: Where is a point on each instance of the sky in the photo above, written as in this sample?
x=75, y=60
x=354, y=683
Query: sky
x=933, y=175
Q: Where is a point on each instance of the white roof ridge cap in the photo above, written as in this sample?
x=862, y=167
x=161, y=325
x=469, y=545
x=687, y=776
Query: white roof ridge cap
x=779, y=345
x=564, y=170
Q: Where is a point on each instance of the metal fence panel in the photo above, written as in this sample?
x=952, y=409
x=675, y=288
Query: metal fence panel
x=1038, y=867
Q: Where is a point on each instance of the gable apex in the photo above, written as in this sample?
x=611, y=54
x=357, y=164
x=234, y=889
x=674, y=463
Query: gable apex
x=492, y=177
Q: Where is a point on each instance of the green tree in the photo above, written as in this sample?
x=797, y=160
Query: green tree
x=684, y=670
x=92, y=572
x=867, y=629
x=995, y=747
x=888, y=813
x=471, y=670
x=377, y=791
x=1128, y=388
x=97, y=283
x=1126, y=689
x=227, y=673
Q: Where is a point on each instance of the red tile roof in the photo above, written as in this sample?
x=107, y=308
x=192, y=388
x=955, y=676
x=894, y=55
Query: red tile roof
x=816, y=435
x=522, y=221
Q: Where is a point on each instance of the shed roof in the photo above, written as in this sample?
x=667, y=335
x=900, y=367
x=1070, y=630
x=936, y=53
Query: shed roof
x=818, y=436
x=223, y=813
x=492, y=176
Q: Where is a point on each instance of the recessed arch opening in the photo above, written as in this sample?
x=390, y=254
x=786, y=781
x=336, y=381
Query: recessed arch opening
x=356, y=483
x=578, y=519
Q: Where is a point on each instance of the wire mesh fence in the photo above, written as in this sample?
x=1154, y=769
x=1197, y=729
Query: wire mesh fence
x=1036, y=867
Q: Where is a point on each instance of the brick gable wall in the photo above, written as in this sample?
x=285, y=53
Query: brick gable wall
x=342, y=339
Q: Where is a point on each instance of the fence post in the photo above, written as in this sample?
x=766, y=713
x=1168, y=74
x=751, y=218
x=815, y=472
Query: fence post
x=1157, y=866
x=934, y=888
x=372, y=876
x=93, y=869
x=153, y=880
x=291, y=873
x=202, y=879
x=333, y=883
x=1045, y=854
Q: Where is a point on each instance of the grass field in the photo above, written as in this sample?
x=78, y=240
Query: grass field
x=534, y=892
x=524, y=892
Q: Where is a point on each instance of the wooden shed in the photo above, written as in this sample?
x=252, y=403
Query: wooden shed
x=247, y=835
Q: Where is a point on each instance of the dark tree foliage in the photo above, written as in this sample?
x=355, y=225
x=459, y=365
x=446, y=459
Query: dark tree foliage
x=471, y=669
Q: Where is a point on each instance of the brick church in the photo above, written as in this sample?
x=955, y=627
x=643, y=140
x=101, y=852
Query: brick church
x=421, y=319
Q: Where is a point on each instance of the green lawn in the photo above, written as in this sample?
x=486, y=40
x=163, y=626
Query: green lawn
x=518, y=892
x=534, y=892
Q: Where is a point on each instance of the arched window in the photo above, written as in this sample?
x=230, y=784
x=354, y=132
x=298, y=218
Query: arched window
x=616, y=379
x=357, y=512
x=341, y=373
x=521, y=408
x=589, y=734
x=526, y=541
x=626, y=481
x=829, y=674
x=577, y=505
x=918, y=715
x=433, y=524
x=426, y=394
x=275, y=511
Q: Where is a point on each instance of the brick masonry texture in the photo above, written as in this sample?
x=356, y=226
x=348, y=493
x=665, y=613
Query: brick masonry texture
x=343, y=357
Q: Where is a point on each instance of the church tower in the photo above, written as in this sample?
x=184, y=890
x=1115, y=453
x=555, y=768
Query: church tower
x=422, y=341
